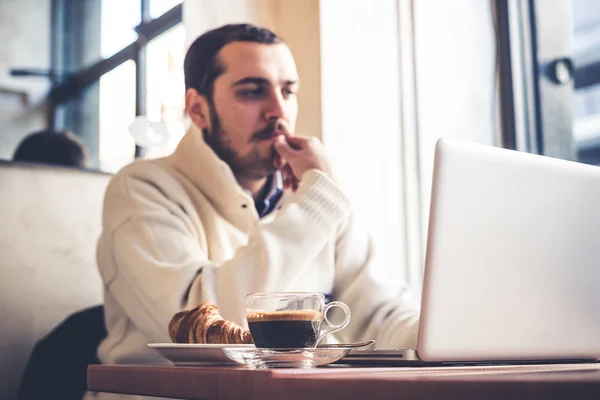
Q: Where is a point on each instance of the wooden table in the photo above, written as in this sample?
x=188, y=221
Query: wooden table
x=556, y=381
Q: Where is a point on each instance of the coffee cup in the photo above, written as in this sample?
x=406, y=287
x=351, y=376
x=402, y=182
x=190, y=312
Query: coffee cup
x=291, y=320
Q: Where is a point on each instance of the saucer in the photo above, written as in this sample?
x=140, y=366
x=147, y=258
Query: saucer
x=286, y=358
x=188, y=354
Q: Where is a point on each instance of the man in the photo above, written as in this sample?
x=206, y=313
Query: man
x=243, y=205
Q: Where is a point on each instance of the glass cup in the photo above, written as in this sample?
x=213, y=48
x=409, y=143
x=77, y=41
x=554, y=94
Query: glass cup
x=291, y=320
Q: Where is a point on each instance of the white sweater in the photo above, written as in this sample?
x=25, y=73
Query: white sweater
x=180, y=230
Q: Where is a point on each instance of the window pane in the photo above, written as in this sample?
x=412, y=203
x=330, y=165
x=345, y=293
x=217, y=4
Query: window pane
x=587, y=113
x=119, y=18
x=586, y=38
x=586, y=100
x=165, y=87
x=117, y=111
x=159, y=7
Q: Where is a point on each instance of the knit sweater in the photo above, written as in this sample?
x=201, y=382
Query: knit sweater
x=180, y=230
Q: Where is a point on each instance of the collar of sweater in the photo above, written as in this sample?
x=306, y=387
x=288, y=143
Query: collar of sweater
x=194, y=159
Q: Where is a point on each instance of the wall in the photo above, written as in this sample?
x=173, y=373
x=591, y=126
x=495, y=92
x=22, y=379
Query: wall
x=361, y=116
x=390, y=91
x=25, y=28
x=455, y=86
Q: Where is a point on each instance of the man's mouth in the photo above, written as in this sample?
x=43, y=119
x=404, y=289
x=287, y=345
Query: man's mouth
x=272, y=135
x=271, y=132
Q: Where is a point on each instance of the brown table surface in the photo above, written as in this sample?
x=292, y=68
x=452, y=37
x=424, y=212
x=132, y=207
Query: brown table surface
x=553, y=381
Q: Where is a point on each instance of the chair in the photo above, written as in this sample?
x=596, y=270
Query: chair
x=50, y=220
x=57, y=367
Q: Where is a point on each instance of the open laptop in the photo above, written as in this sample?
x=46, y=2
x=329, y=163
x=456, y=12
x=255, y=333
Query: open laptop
x=512, y=267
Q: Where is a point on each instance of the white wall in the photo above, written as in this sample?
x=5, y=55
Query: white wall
x=455, y=66
x=369, y=121
x=361, y=116
x=25, y=33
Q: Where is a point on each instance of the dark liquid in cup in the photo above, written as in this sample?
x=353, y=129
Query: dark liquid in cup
x=284, y=329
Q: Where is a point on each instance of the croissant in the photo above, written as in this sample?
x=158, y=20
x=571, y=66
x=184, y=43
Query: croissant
x=203, y=324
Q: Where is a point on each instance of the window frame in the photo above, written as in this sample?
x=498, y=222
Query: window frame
x=532, y=46
x=74, y=83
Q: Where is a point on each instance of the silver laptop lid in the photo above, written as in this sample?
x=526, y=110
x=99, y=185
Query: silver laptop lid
x=512, y=269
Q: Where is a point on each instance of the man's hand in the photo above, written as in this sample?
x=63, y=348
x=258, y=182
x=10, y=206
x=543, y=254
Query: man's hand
x=300, y=154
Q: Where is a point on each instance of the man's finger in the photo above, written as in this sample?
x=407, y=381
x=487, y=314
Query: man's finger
x=282, y=146
x=277, y=161
x=287, y=172
x=289, y=179
x=296, y=142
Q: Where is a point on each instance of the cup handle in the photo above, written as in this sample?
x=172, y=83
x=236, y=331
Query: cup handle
x=331, y=328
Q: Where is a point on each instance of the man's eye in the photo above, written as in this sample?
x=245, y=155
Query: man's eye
x=251, y=93
x=288, y=92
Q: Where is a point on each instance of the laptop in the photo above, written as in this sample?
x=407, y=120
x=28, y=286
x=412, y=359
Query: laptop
x=512, y=267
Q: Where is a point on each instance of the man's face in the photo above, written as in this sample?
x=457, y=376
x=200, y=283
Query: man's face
x=255, y=93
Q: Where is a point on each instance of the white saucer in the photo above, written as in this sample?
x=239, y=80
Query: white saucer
x=197, y=354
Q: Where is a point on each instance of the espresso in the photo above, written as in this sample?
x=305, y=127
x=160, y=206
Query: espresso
x=284, y=329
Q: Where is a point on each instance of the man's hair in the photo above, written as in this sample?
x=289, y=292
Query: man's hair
x=52, y=147
x=201, y=65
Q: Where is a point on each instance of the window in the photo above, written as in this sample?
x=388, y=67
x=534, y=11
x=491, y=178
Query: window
x=586, y=97
x=165, y=87
x=118, y=21
x=135, y=69
x=159, y=7
x=117, y=111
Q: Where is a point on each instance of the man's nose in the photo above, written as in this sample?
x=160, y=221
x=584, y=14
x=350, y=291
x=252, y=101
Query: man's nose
x=275, y=107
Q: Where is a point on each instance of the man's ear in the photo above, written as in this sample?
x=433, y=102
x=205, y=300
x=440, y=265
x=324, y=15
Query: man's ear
x=196, y=106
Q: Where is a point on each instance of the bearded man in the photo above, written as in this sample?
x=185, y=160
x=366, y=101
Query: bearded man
x=243, y=205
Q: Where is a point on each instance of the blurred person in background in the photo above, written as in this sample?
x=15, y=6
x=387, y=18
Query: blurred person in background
x=53, y=147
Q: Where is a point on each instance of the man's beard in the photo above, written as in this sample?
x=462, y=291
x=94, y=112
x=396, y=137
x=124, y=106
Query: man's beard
x=252, y=165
